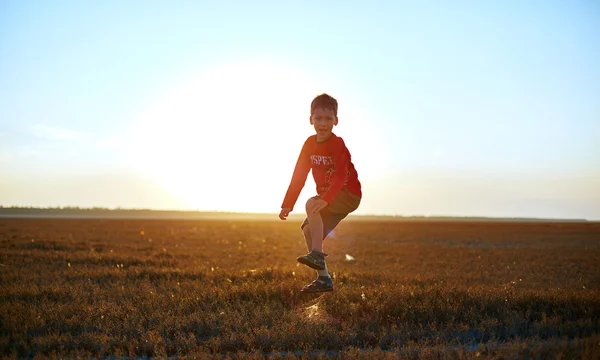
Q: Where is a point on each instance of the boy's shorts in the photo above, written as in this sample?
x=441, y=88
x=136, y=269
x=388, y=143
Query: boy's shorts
x=343, y=204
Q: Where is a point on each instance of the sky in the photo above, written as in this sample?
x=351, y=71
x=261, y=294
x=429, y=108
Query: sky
x=453, y=108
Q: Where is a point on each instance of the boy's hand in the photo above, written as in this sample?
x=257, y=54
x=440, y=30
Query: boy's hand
x=284, y=213
x=318, y=205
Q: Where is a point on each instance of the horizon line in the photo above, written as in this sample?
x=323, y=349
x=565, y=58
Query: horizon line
x=3, y=208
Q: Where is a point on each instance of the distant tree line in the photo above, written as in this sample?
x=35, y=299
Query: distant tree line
x=61, y=210
x=95, y=212
x=101, y=212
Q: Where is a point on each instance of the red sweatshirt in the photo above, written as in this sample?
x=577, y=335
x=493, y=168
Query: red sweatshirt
x=331, y=167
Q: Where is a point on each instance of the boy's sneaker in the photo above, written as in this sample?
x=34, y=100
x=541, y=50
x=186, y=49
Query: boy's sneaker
x=321, y=284
x=313, y=259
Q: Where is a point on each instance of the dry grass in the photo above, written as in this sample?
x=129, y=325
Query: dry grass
x=210, y=289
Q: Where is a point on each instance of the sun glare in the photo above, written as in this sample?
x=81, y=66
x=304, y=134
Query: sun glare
x=220, y=139
x=227, y=138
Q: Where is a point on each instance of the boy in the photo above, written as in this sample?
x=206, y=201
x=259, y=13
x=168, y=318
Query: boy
x=338, y=188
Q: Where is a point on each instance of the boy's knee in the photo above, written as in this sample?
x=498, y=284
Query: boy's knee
x=309, y=204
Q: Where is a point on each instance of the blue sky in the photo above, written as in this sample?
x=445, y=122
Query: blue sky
x=448, y=108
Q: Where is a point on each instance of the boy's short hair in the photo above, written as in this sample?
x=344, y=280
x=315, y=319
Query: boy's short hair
x=324, y=101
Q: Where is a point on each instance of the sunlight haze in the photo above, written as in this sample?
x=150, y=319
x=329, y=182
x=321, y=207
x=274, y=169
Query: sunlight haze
x=461, y=108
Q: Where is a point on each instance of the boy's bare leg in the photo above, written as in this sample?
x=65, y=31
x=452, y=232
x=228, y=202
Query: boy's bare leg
x=313, y=234
x=307, y=237
x=316, y=228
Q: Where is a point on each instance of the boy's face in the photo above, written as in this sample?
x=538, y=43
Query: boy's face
x=323, y=120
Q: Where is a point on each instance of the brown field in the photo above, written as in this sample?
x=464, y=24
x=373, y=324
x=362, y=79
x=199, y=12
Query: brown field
x=230, y=289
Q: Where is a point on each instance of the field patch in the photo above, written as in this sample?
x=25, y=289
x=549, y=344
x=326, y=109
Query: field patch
x=231, y=288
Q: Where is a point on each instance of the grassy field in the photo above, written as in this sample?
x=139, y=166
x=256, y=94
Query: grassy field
x=230, y=288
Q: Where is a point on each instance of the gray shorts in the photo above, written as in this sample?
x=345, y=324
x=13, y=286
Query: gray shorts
x=343, y=204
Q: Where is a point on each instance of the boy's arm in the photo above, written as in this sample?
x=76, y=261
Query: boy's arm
x=340, y=167
x=298, y=179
